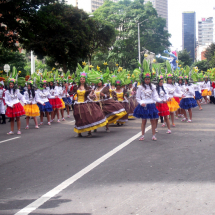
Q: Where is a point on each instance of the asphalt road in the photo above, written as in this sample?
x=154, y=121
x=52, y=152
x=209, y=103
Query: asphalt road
x=174, y=175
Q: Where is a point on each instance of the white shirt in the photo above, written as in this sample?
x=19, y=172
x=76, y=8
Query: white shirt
x=13, y=97
x=206, y=86
x=173, y=90
x=162, y=95
x=147, y=96
x=54, y=92
x=189, y=91
x=31, y=100
x=43, y=94
x=197, y=87
x=62, y=93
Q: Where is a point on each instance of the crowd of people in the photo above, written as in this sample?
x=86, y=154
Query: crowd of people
x=100, y=99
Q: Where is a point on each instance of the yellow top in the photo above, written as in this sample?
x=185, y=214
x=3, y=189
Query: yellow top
x=97, y=93
x=81, y=94
x=120, y=96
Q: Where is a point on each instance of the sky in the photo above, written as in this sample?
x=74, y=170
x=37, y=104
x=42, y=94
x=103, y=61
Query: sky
x=203, y=9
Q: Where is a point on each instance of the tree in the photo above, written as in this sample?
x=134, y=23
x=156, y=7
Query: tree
x=62, y=32
x=16, y=16
x=13, y=58
x=202, y=65
x=125, y=15
x=184, y=58
x=210, y=55
x=103, y=36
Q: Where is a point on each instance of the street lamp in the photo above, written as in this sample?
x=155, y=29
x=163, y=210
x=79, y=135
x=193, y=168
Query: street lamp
x=6, y=68
x=139, y=39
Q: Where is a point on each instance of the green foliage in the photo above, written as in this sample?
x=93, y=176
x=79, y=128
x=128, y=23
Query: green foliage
x=125, y=15
x=17, y=15
x=202, y=65
x=210, y=55
x=184, y=58
x=13, y=58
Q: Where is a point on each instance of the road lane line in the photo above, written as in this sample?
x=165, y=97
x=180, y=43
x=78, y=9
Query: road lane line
x=8, y=139
x=40, y=201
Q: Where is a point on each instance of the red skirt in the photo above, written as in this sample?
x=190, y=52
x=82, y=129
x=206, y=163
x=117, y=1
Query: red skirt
x=163, y=109
x=177, y=100
x=16, y=111
x=56, y=103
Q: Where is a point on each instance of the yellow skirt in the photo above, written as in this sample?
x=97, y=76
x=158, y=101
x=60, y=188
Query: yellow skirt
x=91, y=128
x=206, y=93
x=173, y=105
x=31, y=110
x=62, y=104
x=113, y=118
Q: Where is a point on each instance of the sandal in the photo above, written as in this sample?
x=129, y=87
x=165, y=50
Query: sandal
x=154, y=138
x=142, y=138
x=10, y=133
x=184, y=119
x=49, y=123
x=27, y=127
x=58, y=120
x=37, y=127
x=200, y=109
x=79, y=135
x=189, y=121
x=156, y=130
x=89, y=135
x=164, y=125
x=19, y=132
x=41, y=123
x=63, y=119
x=168, y=132
x=173, y=125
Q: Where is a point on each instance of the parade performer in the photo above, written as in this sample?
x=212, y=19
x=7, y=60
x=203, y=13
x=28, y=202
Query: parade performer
x=60, y=96
x=188, y=100
x=173, y=92
x=113, y=110
x=31, y=108
x=46, y=108
x=195, y=76
x=88, y=115
x=146, y=97
x=163, y=109
x=66, y=97
x=54, y=100
x=180, y=84
x=2, y=102
x=14, y=107
x=206, y=89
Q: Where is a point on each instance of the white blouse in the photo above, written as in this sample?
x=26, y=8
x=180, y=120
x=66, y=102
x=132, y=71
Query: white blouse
x=163, y=95
x=53, y=92
x=206, y=86
x=13, y=97
x=43, y=94
x=197, y=87
x=147, y=96
x=31, y=100
x=189, y=91
x=173, y=90
x=62, y=93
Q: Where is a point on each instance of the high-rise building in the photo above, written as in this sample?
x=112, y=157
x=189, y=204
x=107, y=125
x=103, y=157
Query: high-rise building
x=88, y=5
x=205, y=31
x=162, y=8
x=189, y=32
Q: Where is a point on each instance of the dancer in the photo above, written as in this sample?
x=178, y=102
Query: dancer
x=46, y=107
x=54, y=101
x=66, y=97
x=88, y=115
x=163, y=109
x=14, y=107
x=206, y=89
x=146, y=96
x=188, y=100
x=2, y=102
x=31, y=108
x=131, y=100
x=60, y=96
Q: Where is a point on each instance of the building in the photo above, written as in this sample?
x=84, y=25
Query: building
x=162, y=8
x=205, y=31
x=189, y=32
x=200, y=52
x=88, y=6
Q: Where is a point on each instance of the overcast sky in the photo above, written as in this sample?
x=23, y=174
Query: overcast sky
x=203, y=8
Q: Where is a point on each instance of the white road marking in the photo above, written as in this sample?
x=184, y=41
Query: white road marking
x=8, y=139
x=40, y=201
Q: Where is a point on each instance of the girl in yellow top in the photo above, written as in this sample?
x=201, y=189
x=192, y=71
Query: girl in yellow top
x=121, y=97
x=88, y=115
